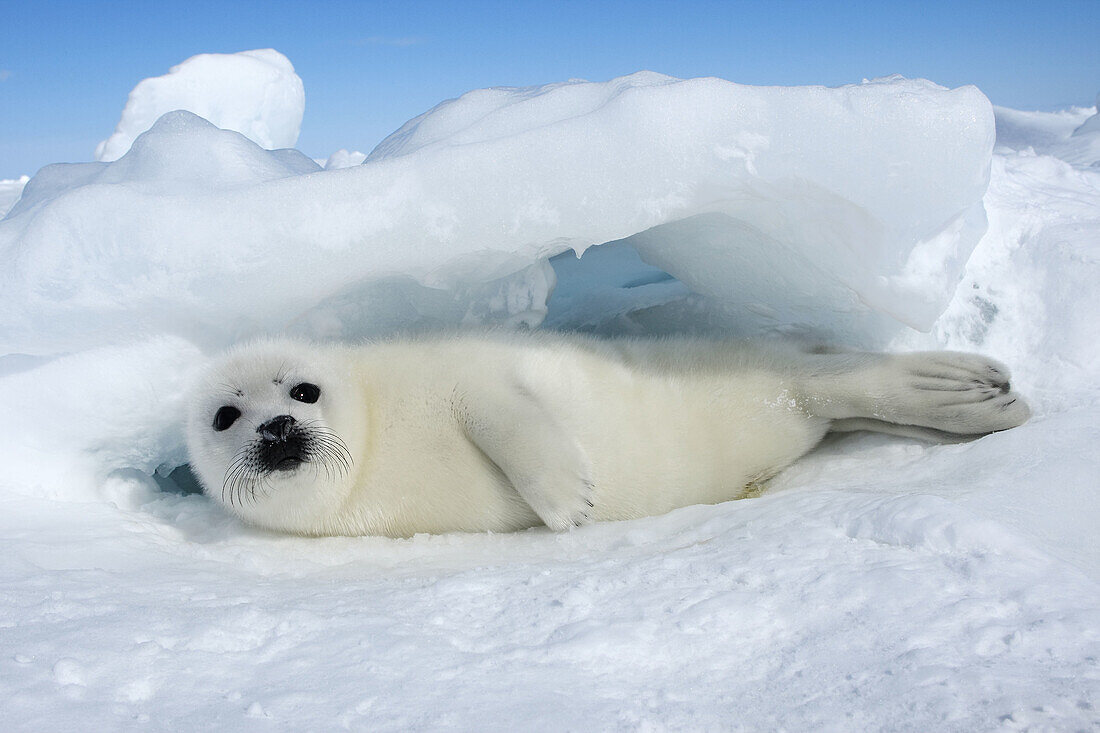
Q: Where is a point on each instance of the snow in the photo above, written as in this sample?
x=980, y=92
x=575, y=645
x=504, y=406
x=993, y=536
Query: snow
x=1072, y=135
x=10, y=191
x=343, y=159
x=255, y=93
x=867, y=197
x=880, y=583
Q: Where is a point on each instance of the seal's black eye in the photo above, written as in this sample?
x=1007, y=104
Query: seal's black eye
x=306, y=392
x=225, y=417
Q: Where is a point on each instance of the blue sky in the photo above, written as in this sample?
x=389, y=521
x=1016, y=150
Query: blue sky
x=66, y=67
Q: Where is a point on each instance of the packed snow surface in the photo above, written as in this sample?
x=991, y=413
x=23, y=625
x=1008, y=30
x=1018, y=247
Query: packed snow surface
x=255, y=93
x=879, y=584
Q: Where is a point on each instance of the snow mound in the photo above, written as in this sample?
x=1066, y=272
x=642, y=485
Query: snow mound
x=344, y=159
x=1073, y=135
x=848, y=211
x=255, y=93
x=95, y=413
x=1092, y=124
x=807, y=198
x=163, y=161
x=10, y=191
x=484, y=115
x=1084, y=142
x=1027, y=293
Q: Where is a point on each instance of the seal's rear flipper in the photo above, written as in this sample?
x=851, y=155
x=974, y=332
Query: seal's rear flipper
x=856, y=424
x=942, y=391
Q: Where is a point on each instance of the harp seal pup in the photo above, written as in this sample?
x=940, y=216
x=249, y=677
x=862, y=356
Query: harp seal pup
x=500, y=432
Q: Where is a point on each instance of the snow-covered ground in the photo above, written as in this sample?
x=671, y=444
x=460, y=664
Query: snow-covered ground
x=880, y=584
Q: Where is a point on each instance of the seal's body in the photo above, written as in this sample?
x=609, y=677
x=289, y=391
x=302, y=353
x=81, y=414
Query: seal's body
x=503, y=432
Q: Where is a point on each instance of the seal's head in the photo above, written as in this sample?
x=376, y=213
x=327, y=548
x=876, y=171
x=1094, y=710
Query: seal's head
x=271, y=431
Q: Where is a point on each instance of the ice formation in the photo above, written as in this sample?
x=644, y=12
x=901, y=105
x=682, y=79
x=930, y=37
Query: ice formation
x=858, y=205
x=255, y=93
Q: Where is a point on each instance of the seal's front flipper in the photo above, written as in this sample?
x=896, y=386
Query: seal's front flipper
x=542, y=461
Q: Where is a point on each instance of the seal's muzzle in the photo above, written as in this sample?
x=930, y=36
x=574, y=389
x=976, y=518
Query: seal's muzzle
x=283, y=445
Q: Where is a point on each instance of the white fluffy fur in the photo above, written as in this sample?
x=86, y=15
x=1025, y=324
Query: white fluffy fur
x=503, y=432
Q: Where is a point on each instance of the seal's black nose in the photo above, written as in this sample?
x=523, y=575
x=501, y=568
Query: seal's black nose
x=276, y=429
